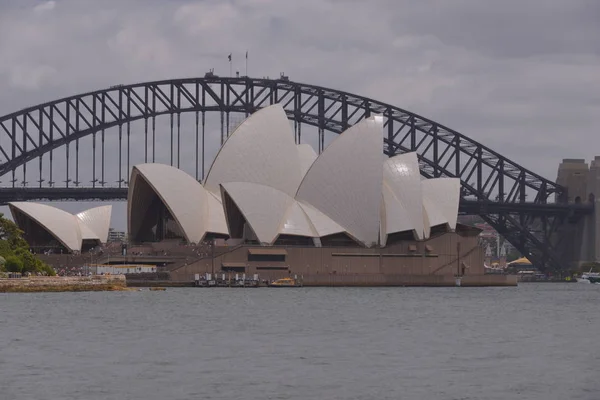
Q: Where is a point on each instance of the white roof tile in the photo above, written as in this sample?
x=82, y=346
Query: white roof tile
x=345, y=181
x=185, y=197
x=263, y=207
x=60, y=224
x=402, y=175
x=97, y=219
x=441, y=197
x=395, y=216
x=322, y=224
x=296, y=222
x=262, y=151
x=307, y=156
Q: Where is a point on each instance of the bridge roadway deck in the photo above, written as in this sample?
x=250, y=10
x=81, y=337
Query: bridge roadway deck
x=467, y=206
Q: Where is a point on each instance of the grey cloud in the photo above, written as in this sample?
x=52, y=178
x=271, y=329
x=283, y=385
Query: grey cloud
x=513, y=28
x=519, y=76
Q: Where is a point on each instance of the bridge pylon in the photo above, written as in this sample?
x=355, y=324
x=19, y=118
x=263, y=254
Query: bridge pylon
x=578, y=238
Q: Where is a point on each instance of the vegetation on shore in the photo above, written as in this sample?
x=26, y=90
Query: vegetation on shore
x=15, y=254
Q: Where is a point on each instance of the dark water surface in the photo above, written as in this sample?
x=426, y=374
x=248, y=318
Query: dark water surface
x=537, y=341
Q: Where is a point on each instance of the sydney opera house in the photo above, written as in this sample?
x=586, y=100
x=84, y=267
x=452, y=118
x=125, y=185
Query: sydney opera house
x=272, y=207
x=349, y=214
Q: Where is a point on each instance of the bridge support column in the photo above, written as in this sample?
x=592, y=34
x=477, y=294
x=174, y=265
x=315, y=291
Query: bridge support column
x=579, y=240
x=591, y=248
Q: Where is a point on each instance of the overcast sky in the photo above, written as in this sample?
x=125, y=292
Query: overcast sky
x=521, y=76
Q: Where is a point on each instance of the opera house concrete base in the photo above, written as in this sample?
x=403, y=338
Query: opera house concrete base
x=377, y=280
x=435, y=262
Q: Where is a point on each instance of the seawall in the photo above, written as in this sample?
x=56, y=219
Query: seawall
x=365, y=280
x=63, y=284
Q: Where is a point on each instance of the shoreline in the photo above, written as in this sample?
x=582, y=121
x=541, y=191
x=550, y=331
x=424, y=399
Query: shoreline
x=118, y=283
x=367, y=280
x=53, y=284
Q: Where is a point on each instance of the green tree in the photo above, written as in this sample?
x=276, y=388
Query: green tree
x=13, y=264
x=10, y=233
x=5, y=249
x=15, y=250
x=30, y=262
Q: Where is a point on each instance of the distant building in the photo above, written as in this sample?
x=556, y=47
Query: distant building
x=115, y=236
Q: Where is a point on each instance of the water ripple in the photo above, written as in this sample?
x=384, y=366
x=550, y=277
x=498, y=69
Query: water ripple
x=531, y=342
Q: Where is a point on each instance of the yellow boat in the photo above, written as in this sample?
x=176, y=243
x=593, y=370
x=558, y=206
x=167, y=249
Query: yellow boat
x=285, y=282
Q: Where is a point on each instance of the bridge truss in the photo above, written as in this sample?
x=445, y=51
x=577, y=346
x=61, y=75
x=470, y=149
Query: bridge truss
x=527, y=209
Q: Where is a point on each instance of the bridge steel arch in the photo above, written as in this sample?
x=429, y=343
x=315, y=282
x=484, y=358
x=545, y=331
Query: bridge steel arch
x=517, y=202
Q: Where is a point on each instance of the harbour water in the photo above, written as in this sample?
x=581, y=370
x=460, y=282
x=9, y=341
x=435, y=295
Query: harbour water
x=536, y=341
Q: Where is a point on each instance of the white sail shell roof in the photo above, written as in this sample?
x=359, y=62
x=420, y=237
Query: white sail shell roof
x=262, y=151
x=284, y=188
x=307, y=157
x=216, y=222
x=60, y=224
x=345, y=181
x=97, y=221
x=263, y=207
x=427, y=205
x=185, y=197
x=86, y=232
x=402, y=176
x=321, y=223
x=441, y=197
x=395, y=217
x=297, y=223
x=187, y=200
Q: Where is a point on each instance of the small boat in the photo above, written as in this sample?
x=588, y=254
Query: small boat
x=589, y=277
x=595, y=278
x=285, y=282
x=156, y=289
x=583, y=279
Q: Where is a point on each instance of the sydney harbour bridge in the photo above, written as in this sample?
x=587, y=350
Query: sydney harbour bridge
x=82, y=148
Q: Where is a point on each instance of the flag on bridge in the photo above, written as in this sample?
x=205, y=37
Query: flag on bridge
x=229, y=57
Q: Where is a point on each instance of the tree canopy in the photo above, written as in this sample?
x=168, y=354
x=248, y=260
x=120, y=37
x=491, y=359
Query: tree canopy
x=15, y=251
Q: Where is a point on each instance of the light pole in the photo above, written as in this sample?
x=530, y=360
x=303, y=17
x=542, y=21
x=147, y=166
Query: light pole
x=91, y=262
x=212, y=249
